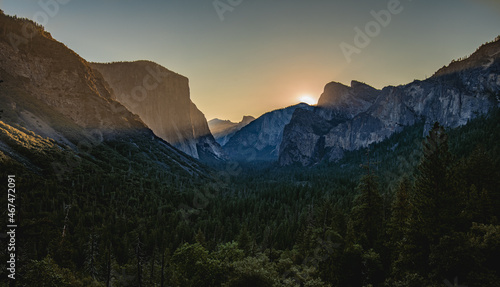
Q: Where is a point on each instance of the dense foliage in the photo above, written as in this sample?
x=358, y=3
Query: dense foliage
x=406, y=212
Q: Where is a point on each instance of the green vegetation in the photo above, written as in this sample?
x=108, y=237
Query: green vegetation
x=406, y=213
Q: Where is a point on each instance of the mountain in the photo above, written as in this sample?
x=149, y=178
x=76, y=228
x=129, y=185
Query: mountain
x=260, y=139
x=348, y=118
x=161, y=99
x=343, y=102
x=223, y=130
x=58, y=112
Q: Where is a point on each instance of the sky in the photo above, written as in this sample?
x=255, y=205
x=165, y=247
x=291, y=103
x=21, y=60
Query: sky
x=246, y=57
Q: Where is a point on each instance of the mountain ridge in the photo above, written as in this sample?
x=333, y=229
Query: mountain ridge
x=50, y=91
x=261, y=139
x=223, y=130
x=161, y=98
x=454, y=95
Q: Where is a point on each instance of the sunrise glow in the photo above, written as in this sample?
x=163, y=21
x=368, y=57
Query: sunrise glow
x=308, y=99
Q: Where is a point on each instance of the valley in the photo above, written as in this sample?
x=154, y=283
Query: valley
x=123, y=182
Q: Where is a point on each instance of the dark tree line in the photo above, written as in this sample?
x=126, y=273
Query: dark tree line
x=417, y=214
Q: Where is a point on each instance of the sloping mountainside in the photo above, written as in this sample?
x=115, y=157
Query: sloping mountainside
x=223, y=130
x=100, y=200
x=52, y=96
x=84, y=165
x=161, y=99
x=260, y=140
x=353, y=117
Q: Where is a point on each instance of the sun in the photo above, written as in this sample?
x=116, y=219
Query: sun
x=308, y=99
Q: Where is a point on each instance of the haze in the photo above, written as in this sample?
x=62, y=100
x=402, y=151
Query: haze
x=261, y=55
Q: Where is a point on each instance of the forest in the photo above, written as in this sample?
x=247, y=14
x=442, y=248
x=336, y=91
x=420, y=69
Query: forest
x=412, y=210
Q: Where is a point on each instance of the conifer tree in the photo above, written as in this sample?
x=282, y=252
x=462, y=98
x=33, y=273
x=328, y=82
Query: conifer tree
x=436, y=203
x=200, y=238
x=245, y=241
x=366, y=215
x=435, y=197
x=399, y=229
x=401, y=212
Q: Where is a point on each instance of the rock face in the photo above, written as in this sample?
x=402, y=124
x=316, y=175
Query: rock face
x=48, y=90
x=50, y=74
x=260, y=140
x=348, y=118
x=161, y=99
x=223, y=130
x=343, y=102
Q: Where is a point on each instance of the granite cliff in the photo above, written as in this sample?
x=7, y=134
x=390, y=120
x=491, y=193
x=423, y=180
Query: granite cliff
x=161, y=99
x=223, y=130
x=50, y=95
x=260, y=139
x=349, y=118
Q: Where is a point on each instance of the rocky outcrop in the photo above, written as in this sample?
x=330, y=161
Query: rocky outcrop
x=206, y=147
x=41, y=71
x=161, y=99
x=47, y=91
x=304, y=138
x=343, y=102
x=261, y=139
x=223, y=130
x=356, y=116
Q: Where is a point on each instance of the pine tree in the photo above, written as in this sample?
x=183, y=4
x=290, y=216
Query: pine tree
x=366, y=215
x=140, y=258
x=92, y=252
x=399, y=229
x=401, y=212
x=200, y=238
x=436, y=204
x=436, y=201
x=479, y=174
x=245, y=241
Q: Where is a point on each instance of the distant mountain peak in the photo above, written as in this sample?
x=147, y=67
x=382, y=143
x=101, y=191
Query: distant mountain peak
x=261, y=139
x=348, y=118
x=217, y=120
x=247, y=119
x=223, y=130
x=339, y=100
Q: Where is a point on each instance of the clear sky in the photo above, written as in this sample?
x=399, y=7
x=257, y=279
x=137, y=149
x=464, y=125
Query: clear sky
x=254, y=56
